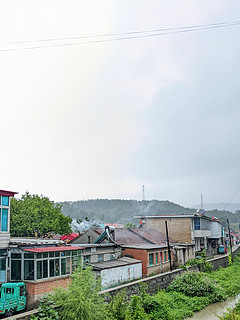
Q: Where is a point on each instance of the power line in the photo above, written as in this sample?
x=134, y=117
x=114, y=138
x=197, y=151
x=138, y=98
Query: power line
x=141, y=34
x=123, y=33
x=231, y=198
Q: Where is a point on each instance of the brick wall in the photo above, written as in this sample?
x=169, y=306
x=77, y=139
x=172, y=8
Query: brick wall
x=36, y=290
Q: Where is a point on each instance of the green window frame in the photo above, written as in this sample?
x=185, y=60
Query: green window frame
x=165, y=256
x=150, y=259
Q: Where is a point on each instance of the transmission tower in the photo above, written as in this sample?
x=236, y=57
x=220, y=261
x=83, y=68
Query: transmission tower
x=201, y=201
x=143, y=193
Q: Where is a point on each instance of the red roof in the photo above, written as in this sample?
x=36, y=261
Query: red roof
x=51, y=249
x=7, y=193
x=70, y=236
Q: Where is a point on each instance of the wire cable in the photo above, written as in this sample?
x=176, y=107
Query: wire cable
x=124, y=33
x=231, y=198
x=157, y=34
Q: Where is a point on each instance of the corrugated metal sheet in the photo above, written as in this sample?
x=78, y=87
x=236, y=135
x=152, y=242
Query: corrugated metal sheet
x=124, y=261
x=51, y=249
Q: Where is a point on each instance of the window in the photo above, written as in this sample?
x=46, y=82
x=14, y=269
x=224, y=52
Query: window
x=150, y=259
x=39, y=269
x=28, y=269
x=86, y=259
x=165, y=256
x=21, y=291
x=197, y=223
x=156, y=258
x=4, y=222
x=5, y=201
x=100, y=257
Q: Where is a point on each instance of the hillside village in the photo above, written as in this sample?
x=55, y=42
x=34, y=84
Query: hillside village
x=116, y=254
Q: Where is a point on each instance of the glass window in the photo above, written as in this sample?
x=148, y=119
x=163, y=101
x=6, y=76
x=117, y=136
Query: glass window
x=156, y=258
x=3, y=253
x=74, y=253
x=39, y=269
x=86, y=259
x=4, y=225
x=57, y=254
x=56, y=267
x=21, y=291
x=16, y=270
x=197, y=223
x=51, y=267
x=3, y=270
x=68, y=265
x=5, y=201
x=51, y=254
x=45, y=255
x=16, y=256
x=150, y=259
x=100, y=257
x=28, y=256
x=63, y=266
x=28, y=269
x=39, y=255
x=165, y=256
x=45, y=268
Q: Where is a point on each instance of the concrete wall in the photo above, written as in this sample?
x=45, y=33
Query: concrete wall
x=161, y=281
x=179, y=228
x=114, y=276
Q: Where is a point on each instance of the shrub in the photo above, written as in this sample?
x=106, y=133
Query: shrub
x=197, y=284
x=81, y=299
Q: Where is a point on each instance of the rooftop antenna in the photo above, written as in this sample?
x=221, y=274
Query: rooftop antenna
x=143, y=194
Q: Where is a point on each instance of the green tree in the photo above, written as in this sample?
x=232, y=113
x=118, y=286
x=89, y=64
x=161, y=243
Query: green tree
x=130, y=225
x=34, y=215
x=81, y=300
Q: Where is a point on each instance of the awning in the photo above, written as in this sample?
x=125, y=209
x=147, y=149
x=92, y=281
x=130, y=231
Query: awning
x=52, y=249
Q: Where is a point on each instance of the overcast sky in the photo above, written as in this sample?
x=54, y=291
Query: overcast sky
x=99, y=120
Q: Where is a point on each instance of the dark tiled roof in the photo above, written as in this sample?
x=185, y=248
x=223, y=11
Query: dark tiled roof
x=138, y=236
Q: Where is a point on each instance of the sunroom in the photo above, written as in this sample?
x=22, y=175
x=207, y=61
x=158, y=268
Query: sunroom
x=33, y=264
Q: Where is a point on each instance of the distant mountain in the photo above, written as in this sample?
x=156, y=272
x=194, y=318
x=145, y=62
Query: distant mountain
x=220, y=206
x=121, y=211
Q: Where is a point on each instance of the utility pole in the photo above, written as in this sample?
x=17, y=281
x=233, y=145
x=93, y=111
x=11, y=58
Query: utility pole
x=169, y=250
x=230, y=238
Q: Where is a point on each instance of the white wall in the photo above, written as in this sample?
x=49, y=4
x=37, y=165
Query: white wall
x=118, y=275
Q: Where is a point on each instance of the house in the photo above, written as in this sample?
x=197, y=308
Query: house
x=69, y=237
x=88, y=237
x=107, y=262
x=5, y=198
x=200, y=230
x=43, y=264
x=155, y=258
x=150, y=246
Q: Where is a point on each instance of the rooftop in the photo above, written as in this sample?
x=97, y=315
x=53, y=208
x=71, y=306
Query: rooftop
x=124, y=261
x=7, y=193
x=53, y=249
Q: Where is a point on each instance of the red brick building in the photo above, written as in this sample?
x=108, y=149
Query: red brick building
x=154, y=257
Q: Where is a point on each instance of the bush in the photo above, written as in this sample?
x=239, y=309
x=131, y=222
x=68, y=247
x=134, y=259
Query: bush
x=197, y=284
x=81, y=300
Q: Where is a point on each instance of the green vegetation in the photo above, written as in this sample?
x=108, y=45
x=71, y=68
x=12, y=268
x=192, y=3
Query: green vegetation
x=232, y=314
x=34, y=215
x=188, y=293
